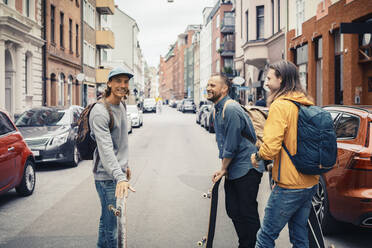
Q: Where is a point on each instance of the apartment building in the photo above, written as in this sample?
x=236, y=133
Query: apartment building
x=21, y=45
x=205, y=53
x=260, y=27
x=223, y=38
x=334, y=61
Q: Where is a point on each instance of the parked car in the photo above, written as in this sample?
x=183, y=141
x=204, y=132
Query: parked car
x=179, y=105
x=200, y=112
x=345, y=192
x=188, y=105
x=207, y=120
x=136, y=115
x=149, y=105
x=50, y=133
x=17, y=163
x=129, y=123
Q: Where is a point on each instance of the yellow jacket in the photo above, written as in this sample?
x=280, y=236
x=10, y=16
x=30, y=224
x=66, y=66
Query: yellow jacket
x=280, y=125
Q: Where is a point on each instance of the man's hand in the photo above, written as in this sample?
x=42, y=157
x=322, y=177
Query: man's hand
x=217, y=176
x=129, y=174
x=253, y=160
x=122, y=189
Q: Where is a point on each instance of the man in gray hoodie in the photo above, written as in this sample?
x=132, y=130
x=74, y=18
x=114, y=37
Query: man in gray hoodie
x=111, y=170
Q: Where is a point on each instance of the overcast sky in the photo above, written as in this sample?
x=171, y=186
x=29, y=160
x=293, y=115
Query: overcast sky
x=160, y=22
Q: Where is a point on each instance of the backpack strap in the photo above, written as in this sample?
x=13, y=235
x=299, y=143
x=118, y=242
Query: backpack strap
x=109, y=110
x=225, y=105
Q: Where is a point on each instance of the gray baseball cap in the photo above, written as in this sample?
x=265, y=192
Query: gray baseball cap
x=119, y=71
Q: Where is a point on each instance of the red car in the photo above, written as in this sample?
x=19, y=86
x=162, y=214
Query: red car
x=345, y=192
x=17, y=164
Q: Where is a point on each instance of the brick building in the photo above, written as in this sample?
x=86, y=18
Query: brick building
x=223, y=38
x=172, y=83
x=335, y=67
x=62, y=52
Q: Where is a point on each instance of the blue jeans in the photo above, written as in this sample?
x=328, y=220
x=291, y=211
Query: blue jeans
x=290, y=206
x=107, y=230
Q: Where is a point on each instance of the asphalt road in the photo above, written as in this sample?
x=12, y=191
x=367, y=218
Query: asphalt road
x=172, y=160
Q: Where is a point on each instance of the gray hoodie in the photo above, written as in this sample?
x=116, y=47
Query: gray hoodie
x=112, y=147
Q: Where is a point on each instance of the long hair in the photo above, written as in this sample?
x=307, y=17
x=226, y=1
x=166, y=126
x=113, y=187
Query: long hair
x=288, y=72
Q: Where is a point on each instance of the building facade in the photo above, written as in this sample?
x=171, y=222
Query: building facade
x=21, y=46
x=205, y=53
x=335, y=66
x=196, y=46
x=129, y=55
x=223, y=38
x=260, y=40
x=62, y=53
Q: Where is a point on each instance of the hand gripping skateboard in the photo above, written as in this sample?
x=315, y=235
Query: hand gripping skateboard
x=121, y=213
x=213, y=195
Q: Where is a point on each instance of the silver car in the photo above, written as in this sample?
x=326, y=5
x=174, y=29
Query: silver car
x=136, y=115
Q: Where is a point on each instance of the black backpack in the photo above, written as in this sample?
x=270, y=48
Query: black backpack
x=84, y=142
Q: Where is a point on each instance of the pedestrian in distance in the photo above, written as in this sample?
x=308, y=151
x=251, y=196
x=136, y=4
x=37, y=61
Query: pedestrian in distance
x=111, y=170
x=290, y=199
x=241, y=178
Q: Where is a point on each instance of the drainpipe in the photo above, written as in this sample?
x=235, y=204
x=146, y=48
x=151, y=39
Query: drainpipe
x=82, y=49
x=44, y=55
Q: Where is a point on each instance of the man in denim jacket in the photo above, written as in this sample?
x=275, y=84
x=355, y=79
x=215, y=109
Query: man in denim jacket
x=242, y=179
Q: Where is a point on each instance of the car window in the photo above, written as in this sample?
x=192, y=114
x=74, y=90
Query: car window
x=347, y=126
x=44, y=117
x=6, y=125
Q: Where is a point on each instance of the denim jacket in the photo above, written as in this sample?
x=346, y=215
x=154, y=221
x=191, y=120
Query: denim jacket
x=231, y=143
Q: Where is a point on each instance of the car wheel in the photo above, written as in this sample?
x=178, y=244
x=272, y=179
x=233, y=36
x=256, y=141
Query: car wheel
x=27, y=185
x=321, y=204
x=75, y=157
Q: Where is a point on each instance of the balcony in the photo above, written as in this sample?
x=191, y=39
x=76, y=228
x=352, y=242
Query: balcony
x=102, y=74
x=228, y=25
x=105, y=7
x=105, y=39
x=227, y=49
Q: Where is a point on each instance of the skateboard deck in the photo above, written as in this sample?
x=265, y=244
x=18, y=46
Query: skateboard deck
x=213, y=195
x=316, y=239
x=121, y=213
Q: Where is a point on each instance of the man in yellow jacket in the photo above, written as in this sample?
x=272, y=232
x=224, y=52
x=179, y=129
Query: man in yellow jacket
x=290, y=200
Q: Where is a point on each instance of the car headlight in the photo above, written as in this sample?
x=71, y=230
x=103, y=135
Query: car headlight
x=59, y=140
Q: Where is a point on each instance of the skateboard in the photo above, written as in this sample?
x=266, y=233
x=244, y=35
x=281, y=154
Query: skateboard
x=213, y=195
x=121, y=213
x=316, y=239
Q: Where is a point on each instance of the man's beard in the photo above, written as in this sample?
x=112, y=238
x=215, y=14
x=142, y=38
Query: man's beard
x=214, y=97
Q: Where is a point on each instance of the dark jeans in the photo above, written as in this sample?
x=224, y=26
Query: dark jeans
x=107, y=230
x=241, y=206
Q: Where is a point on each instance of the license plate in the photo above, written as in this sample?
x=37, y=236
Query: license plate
x=36, y=153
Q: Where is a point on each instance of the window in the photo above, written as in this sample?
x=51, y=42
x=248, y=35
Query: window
x=70, y=34
x=347, y=127
x=89, y=14
x=217, y=66
x=272, y=16
x=61, y=98
x=69, y=90
x=260, y=22
x=278, y=15
x=218, y=21
x=301, y=59
x=104, y=55
x=218, y=43
x=28, y=8
x=6, y=125
x=247, y=25
x=319, y=71
x=339, y=86
x=300, y=17
x=62, y=16
x=89, y=54
x=77, y=40
x=5, y=1
x=26, y=73
x=52, y=24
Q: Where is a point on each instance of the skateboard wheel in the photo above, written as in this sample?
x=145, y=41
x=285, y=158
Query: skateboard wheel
x=202, y=242
x=332, y=246
x=110, y=207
